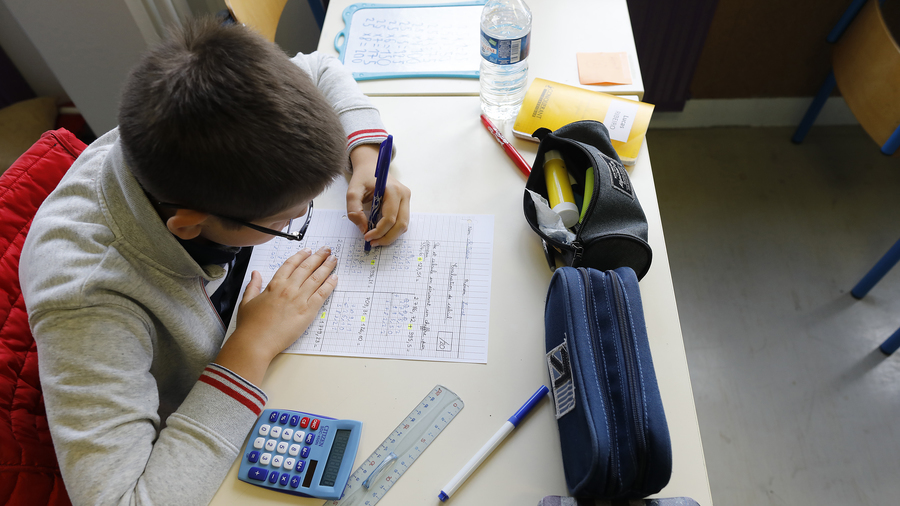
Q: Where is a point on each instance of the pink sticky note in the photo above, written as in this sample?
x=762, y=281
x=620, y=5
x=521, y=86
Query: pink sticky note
x=603, y=68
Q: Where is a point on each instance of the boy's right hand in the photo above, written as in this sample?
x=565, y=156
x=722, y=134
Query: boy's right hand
x=269, y=320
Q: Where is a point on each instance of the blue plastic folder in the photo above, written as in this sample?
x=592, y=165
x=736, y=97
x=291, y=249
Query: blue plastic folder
x=384, y=41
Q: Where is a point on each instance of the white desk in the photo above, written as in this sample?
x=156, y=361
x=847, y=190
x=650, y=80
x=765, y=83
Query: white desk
x=560, y=28
x=453, y=165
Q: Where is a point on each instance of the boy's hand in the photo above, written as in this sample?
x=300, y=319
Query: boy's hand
x=394, y=208
x=269, y=320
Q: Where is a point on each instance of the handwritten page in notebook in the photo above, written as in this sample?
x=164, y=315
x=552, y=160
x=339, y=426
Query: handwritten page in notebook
x=425, y=297
x=383, y=41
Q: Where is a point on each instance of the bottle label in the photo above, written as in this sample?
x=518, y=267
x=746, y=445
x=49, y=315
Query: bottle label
x=504, y=51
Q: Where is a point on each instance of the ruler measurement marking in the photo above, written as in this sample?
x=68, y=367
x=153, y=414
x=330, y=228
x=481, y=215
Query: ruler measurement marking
x=355, y=493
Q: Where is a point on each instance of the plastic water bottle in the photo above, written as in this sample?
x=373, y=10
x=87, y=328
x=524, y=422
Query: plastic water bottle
x=505, y=42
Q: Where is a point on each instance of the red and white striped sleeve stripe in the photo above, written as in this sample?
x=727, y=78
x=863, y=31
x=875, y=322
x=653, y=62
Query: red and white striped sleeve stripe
x=235, y=387
x=374, y=135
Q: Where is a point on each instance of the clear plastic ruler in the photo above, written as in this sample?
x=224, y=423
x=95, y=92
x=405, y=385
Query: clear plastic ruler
x=378, y=473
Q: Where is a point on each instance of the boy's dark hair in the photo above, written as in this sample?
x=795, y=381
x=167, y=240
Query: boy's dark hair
x=217, y=119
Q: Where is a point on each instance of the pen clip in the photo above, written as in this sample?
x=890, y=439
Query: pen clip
x=493, y=130
x=375, y=472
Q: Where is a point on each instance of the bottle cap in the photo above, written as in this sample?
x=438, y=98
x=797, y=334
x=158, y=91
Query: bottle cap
x=568, y=212
x=552, y=155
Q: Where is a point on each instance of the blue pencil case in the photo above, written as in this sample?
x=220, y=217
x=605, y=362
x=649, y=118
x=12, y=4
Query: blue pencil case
x=612, y=426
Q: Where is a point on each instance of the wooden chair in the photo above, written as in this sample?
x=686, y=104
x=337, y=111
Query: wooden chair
x=866, y=69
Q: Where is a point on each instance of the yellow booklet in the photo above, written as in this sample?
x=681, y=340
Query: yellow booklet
x=552, y=105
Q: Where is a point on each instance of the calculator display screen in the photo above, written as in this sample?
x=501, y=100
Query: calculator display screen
x=333, y=465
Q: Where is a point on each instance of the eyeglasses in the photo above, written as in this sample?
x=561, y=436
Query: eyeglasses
x=295, y=231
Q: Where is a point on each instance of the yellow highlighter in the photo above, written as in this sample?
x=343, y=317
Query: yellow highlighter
x=559, y=190
x=588, y=191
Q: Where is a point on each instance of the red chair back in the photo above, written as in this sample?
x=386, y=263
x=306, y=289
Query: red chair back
x=29, y=472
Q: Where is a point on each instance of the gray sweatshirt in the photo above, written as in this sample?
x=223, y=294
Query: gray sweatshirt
x=126, y=333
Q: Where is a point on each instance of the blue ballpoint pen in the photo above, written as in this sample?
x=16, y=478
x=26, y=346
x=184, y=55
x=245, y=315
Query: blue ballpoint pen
x=492, y=443
x=381, y=175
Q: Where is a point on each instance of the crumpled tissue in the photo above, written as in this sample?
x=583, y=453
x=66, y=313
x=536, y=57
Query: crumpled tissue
x=549, y=222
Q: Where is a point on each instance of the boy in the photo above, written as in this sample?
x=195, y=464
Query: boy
x=132, y=264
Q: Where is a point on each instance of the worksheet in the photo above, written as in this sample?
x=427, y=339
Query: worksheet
x=425, y=297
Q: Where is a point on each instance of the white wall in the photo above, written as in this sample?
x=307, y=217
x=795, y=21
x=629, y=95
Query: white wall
x=25, y=57
x=89, y=45
x=84, y=49
x=759, y=112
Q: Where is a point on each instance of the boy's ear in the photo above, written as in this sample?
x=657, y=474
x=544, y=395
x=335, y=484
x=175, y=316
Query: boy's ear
x=187, y=223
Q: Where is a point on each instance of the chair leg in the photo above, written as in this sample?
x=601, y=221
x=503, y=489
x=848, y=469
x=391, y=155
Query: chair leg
x=814, y=109
x=877, y=272
x=891, y=344
x=892, y=143
x=845, y=20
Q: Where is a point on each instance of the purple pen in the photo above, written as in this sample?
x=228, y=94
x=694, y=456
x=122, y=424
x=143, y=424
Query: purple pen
x=381, y=175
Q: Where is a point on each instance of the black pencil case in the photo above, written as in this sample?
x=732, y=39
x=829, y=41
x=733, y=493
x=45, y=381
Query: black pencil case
x=612, y=426
x=613, y=232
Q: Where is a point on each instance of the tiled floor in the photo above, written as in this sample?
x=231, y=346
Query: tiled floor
x=765, y=239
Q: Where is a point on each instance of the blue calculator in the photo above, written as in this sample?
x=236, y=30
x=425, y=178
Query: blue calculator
x=300, y=453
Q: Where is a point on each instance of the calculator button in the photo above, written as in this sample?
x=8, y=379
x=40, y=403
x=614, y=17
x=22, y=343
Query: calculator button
x=310, y=438
x=304, y=452
x=284, y=418
x=304, y=422
x=299, y=435
x=270, y=445
x=275, y=432
x=259, y=442
x=282, y=447
x=252, y=457
x=314, y=425
x=264, y=429
x=277, y=460
x=295, y=420
x=289, y=463
x=273, y=477
x=295, y=482
x=294, y=450
x=286, y=434
x=265, y=458
x=300, y=465
x=258, y=474
x=273, y=416
x=285, y=478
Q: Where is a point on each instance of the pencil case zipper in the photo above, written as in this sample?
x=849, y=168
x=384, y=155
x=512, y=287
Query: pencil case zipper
x=629, y=355
x=615, y=293
x=592, y=324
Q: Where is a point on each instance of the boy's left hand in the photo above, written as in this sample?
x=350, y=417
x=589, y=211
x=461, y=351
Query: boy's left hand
x=394, y=208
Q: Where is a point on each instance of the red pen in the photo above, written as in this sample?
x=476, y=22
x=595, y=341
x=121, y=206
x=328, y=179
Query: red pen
x=509, y=148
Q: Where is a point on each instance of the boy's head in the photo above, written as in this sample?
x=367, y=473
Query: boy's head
x=217, y=119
